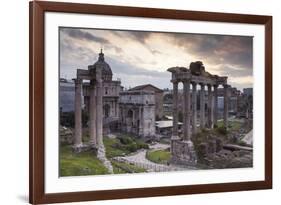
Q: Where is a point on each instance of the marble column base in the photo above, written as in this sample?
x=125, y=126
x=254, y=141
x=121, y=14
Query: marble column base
x=183, y=152
x=85, y=147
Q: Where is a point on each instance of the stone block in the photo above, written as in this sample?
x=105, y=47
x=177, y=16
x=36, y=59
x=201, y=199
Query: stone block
x=202, y=150
x=219, y=145
x=211, y=146
x=183, y=152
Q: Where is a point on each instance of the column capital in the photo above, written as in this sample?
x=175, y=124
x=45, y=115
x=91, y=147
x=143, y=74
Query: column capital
x=216, y=86
x=202, y=85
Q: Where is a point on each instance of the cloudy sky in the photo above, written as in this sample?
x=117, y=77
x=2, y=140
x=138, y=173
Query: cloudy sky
x=144, y=57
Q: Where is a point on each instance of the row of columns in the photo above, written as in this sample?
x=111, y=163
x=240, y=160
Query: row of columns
x=95, y=115
x=211, y=111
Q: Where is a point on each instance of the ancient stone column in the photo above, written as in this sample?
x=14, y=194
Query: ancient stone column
x=78, y=113
x=140, y=122
x=93, y=114
x=215, y=104
x=194, y=108
x=186, y=115
x=175, y=110
x=202, y=106
x=225, y=103
x=99, y=107
x=210, y=107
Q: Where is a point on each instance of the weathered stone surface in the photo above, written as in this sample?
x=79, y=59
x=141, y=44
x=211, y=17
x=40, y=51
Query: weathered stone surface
x=219, y=144
x=102, y=157
x=229, y=159
x=212, y=146
x=197, y=68
x=183, y=152
x=196, y=74
x=203, y=150
x=85, y=148
x=66, y=135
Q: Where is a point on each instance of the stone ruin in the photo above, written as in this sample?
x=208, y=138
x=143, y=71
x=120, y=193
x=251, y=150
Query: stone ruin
x=182, y=149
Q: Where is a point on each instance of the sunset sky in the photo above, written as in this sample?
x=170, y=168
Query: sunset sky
x=144, y=57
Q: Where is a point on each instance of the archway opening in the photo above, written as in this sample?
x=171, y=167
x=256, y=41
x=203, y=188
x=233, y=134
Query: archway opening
x=106, y=109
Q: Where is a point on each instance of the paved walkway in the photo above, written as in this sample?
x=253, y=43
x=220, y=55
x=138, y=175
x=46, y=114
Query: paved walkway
x=139, y=159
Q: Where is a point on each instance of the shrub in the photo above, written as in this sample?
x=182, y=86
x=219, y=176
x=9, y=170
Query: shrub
x=125, y=140
x=132, y=147
x=222, y=130
x=143, y=146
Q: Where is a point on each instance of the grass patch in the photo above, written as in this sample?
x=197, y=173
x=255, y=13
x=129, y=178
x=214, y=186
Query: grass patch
x=114, y=147
x=232, y=125
x=159, y=156
x=122, y=145
x=81, y=164
x=122, y=167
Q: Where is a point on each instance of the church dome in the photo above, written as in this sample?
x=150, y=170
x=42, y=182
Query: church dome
x=101, y=64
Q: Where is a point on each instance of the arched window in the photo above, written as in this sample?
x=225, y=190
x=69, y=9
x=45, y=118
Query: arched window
x=130, y=114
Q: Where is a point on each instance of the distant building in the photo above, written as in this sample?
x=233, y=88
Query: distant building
x=248, y=91
x=246, y=103
x=233, y=102
x=66, y=95
x=158, y=97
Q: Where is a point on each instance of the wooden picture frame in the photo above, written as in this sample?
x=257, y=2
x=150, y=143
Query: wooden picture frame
x=37, y=11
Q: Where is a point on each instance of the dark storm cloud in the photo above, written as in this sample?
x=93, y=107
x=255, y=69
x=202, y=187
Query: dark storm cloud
x=84, y=35
x=73, y=56
x=74, y=52
x=226, y=55
x=81, y=34
x=235, y=50
x=217, y=49
x=140, y=36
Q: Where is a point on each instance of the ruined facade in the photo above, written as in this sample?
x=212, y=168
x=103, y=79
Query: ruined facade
x=182, y=148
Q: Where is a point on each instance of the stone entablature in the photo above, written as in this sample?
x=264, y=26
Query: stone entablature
x=180, y=74
x=137, y=97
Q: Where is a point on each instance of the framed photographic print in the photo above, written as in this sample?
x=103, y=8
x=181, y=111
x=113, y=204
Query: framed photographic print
x=138, y=102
